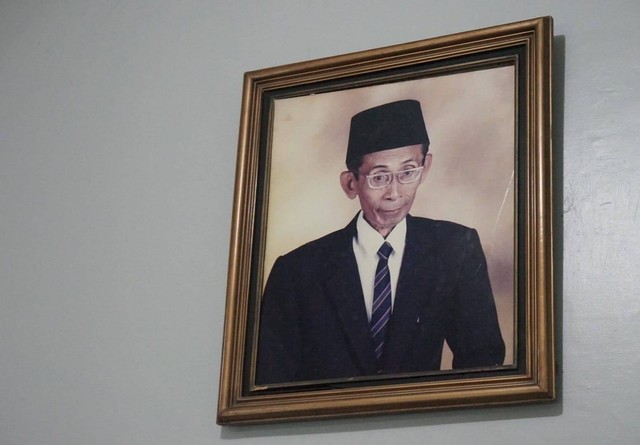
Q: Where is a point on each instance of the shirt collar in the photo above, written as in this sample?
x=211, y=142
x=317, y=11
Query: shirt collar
x=369, y=239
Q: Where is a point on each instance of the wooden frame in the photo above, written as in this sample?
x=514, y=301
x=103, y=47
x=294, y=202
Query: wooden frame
x=447, y=70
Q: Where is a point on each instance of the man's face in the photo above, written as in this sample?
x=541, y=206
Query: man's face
x=385, y=207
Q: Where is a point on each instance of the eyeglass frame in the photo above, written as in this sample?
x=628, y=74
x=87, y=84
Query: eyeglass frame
x=393, y=175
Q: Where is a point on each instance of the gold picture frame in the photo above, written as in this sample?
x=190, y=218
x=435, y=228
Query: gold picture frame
x=488, y=109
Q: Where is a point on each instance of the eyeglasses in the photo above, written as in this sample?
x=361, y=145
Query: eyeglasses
x=381, y=180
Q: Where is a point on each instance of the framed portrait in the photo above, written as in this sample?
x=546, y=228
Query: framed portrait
x=391, y=247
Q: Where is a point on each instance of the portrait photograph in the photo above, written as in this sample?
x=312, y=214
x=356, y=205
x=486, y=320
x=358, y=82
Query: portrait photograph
x=470, y=122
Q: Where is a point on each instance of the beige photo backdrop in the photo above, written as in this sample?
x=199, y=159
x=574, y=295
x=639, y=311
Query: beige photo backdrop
x=470, y=118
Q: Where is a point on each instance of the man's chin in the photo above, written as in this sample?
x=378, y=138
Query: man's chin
x=388, y=222
x=385, y=221
x=392, y=217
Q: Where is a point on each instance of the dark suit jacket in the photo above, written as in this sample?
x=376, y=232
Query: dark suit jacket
x=313, y=323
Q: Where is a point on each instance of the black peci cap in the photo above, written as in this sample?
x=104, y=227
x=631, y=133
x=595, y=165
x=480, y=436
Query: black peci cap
x=392, y=125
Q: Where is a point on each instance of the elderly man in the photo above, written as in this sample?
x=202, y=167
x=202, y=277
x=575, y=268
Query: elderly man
x=382, y=295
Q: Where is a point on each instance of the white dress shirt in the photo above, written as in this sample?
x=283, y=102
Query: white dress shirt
x=365, y=247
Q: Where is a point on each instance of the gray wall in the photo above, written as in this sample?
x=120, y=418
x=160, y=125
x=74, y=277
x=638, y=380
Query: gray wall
x=118, y=129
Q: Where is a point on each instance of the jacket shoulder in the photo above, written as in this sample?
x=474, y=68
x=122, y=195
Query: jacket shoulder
x=320, y=246
x=439, y=227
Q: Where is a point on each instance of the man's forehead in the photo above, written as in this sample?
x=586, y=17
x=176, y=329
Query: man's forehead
x=398, y=155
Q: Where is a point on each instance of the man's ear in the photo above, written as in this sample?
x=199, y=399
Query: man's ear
x=427, y=165
x=349, y=184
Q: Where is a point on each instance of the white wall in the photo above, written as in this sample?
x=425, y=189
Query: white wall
x=118, y=127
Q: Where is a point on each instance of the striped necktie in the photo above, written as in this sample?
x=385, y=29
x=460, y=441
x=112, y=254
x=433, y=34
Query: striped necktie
x=381, y=310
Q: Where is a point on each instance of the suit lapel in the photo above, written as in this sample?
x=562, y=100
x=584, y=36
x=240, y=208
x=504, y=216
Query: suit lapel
x=418, y=275
x=345, y=292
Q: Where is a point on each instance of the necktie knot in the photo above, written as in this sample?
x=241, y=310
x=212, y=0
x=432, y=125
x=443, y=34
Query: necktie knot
x=385, y=250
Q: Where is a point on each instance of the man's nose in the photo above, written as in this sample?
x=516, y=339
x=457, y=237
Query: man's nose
x=392, y=190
